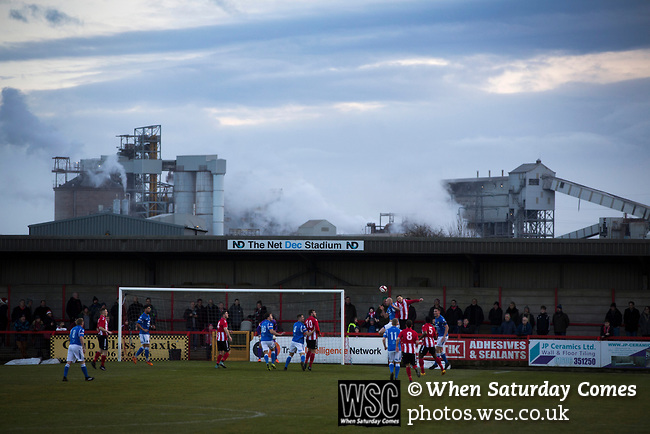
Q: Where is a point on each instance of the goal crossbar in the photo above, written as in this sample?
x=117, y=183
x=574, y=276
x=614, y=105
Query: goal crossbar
x=122, y=290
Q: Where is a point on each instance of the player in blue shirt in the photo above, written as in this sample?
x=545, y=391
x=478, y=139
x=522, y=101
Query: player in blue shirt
x=390, y=338
x=76, y=350
x=144, y=324
x=298, y=341
x=267, y=331
x=442, y=328
x=392, y=309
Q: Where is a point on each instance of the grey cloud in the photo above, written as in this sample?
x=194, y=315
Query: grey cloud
x=34, y=12
x=20, y=127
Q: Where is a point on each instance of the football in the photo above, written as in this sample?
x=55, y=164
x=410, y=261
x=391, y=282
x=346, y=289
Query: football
x=383, y=288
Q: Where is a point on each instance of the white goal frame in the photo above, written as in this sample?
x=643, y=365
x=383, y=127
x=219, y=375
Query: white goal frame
x=123, y=289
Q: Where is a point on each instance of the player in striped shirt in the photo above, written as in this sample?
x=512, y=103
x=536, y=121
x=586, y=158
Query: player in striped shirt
x=403, y=313
x=429, y=337
x=443, y=332
x=312, y=339
x=223, y=339
x=102, y=339
x=76, y=349
x=298, y=342
x=389, y=339
x=144, y=324
x=408, y=340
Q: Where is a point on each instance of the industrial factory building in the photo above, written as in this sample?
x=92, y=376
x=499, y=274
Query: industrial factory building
x=522, y=205
x=131, y=184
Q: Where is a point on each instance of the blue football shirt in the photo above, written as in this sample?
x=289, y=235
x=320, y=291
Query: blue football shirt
x=391, y=334
x=76, y=333
x=265, y=330
x=440, y=323
x=299, y=330
x=144, y=321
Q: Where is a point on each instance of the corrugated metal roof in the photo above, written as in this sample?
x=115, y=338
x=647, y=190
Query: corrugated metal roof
x=107, y=224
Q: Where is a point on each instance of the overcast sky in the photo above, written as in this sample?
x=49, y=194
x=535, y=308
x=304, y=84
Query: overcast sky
x=349, y=108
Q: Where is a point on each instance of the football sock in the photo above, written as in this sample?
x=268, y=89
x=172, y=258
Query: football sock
x=396, y=371
x=65, y=370
x=311, y=359
x=146, y=354
x=408, y=372
x=443, y=356
x=273, y=355
x=97, y=354
x=439, y=361
x=421, y=364
x=266, y=358
x=140, y=351
x=225, y=357
x=103, y=360
x=218, y=358
x=85, y=371
x=302, y=359
x=286, y=365
x=391, y=367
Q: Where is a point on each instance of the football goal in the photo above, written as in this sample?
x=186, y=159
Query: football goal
x=182, y=317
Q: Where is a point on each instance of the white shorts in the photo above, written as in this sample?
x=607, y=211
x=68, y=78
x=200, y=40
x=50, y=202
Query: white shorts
x=267, y=345
x=296, y=347
x=75, y=353
x=441, y=341
x=394, y=356
x=144, y=338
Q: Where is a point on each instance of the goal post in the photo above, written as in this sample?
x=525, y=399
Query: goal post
x=166, y=301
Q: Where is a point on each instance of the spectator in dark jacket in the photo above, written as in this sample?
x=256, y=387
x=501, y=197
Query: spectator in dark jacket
x=543, y=322
x=615, y=318
x=495, y=316
x=531, y=318
x=508, y=326
x=474, y=314
x=631, y=318
x=437, y=305
x=466, y=329
x=514, y=312
x=260, y=313
x=74, y=307
x=560, y=321
x=236, y=314
x=4, y=316
x=644, y=322
x=453, y=315
x=524, y=329
x=20, y=310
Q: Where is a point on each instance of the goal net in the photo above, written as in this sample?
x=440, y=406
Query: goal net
x=182, y=318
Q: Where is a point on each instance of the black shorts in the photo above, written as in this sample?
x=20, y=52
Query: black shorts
x=223, y=346
x=312, y=345
x=408, y=359
x=103, y=342
x=427, y=350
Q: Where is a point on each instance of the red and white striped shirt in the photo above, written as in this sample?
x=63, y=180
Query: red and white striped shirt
x=408, y=339
x=312, y=324
x=102, y=322
x=429, y=335
x=404, y=308
x=222, y=325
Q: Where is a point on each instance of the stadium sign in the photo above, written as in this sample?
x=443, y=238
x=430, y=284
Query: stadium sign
x=297, y=245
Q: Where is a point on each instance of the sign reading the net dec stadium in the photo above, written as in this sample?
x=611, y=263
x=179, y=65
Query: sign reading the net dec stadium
x=285, y=245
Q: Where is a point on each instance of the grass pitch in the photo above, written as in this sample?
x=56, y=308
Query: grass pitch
x=195, y=397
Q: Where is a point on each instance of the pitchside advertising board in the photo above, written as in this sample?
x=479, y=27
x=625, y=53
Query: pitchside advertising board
x=161, y=346
x=369, y=350
x=589, y=354
x=290, y=245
